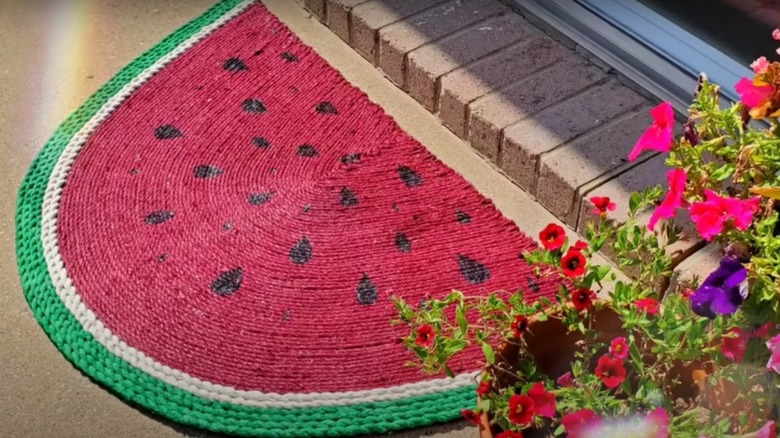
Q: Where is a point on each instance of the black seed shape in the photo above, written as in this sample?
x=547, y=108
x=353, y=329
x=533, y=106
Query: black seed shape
x=301, y=252
x=253, y=106
x=348, y=198
x=307, y=150
x=403, y=243
x=206, y=171
x=258, y=52
x=409, y=176
x=167, y=132
x=260, y=198
x=533, y=284
x=158, y=217
x=261, y=142
x=366, y=291
x=228, y=282
x=135, y=171
x=350, y=158
x=234, y=64
x=463, y=217
x=473, y=271
x=326, y=108
x=287, y=56
x=394, y=207
x=286, y=315
x=307, y=208
x=162, y=257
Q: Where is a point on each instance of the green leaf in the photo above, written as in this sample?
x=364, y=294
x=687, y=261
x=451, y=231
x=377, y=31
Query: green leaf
x=487, y=350
x=634, y=201
x=448, y=371
x=455, y=346
x=460, y=316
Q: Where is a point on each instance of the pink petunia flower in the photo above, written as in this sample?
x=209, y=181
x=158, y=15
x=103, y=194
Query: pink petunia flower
x=767, y=431
x=735, y=344
x=658, y=136
x=752, y=95
x=760, y=65
x=776, y=34
x=742, y=211
x=658, y=423
x=774, y=361
x=581, y=423
x=711, y=215
x=674, y=198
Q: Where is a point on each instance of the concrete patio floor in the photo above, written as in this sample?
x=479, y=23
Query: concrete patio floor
x=53, y=57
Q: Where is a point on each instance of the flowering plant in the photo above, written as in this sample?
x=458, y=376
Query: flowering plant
x=699, y=359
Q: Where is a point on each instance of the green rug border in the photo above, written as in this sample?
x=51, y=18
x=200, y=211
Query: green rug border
x=140, y=388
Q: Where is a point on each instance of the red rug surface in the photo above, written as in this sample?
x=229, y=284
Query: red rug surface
x=244, y=216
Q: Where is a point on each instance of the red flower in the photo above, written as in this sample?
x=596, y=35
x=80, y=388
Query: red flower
x=552, y=237
x=519, y=325
x=611, y=371
x=735, y=344
x=509, y=434
x=565, y=380
x=762, y=331
x=471, y=416
x=425, y=335
x=768, y=431
x=648, y=305
x=618, y=348
x=602, y=204
x=658, y=423
x=582, y=299
x=521, y=409
x=580, y=245
x=573, y=263
x=484, y=388
x=544, y=401
x=578, y=424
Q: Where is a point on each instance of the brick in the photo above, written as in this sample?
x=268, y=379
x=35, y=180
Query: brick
x=697, y=267
x=337, y=12
x=602, y=152
x=524, y=142
x=649, y=173
x=396, y=40
x=317, y=7
x=461, y=87
x=489, y=115
x=429, y=63
x=368, y=18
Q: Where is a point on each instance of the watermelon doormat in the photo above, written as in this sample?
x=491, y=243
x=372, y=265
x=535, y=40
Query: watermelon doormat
x=215, y=236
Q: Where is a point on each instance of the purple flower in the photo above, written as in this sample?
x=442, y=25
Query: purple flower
x=723, y=291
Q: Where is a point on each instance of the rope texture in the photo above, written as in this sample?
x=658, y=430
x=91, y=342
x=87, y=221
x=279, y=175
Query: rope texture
x=234, y=401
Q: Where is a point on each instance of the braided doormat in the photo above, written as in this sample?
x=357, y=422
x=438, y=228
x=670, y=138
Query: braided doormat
x=215, y=235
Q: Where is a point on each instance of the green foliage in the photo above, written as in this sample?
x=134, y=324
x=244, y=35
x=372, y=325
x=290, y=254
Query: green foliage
x=709, y=375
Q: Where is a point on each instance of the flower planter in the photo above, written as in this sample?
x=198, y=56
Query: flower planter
x=553, y=348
